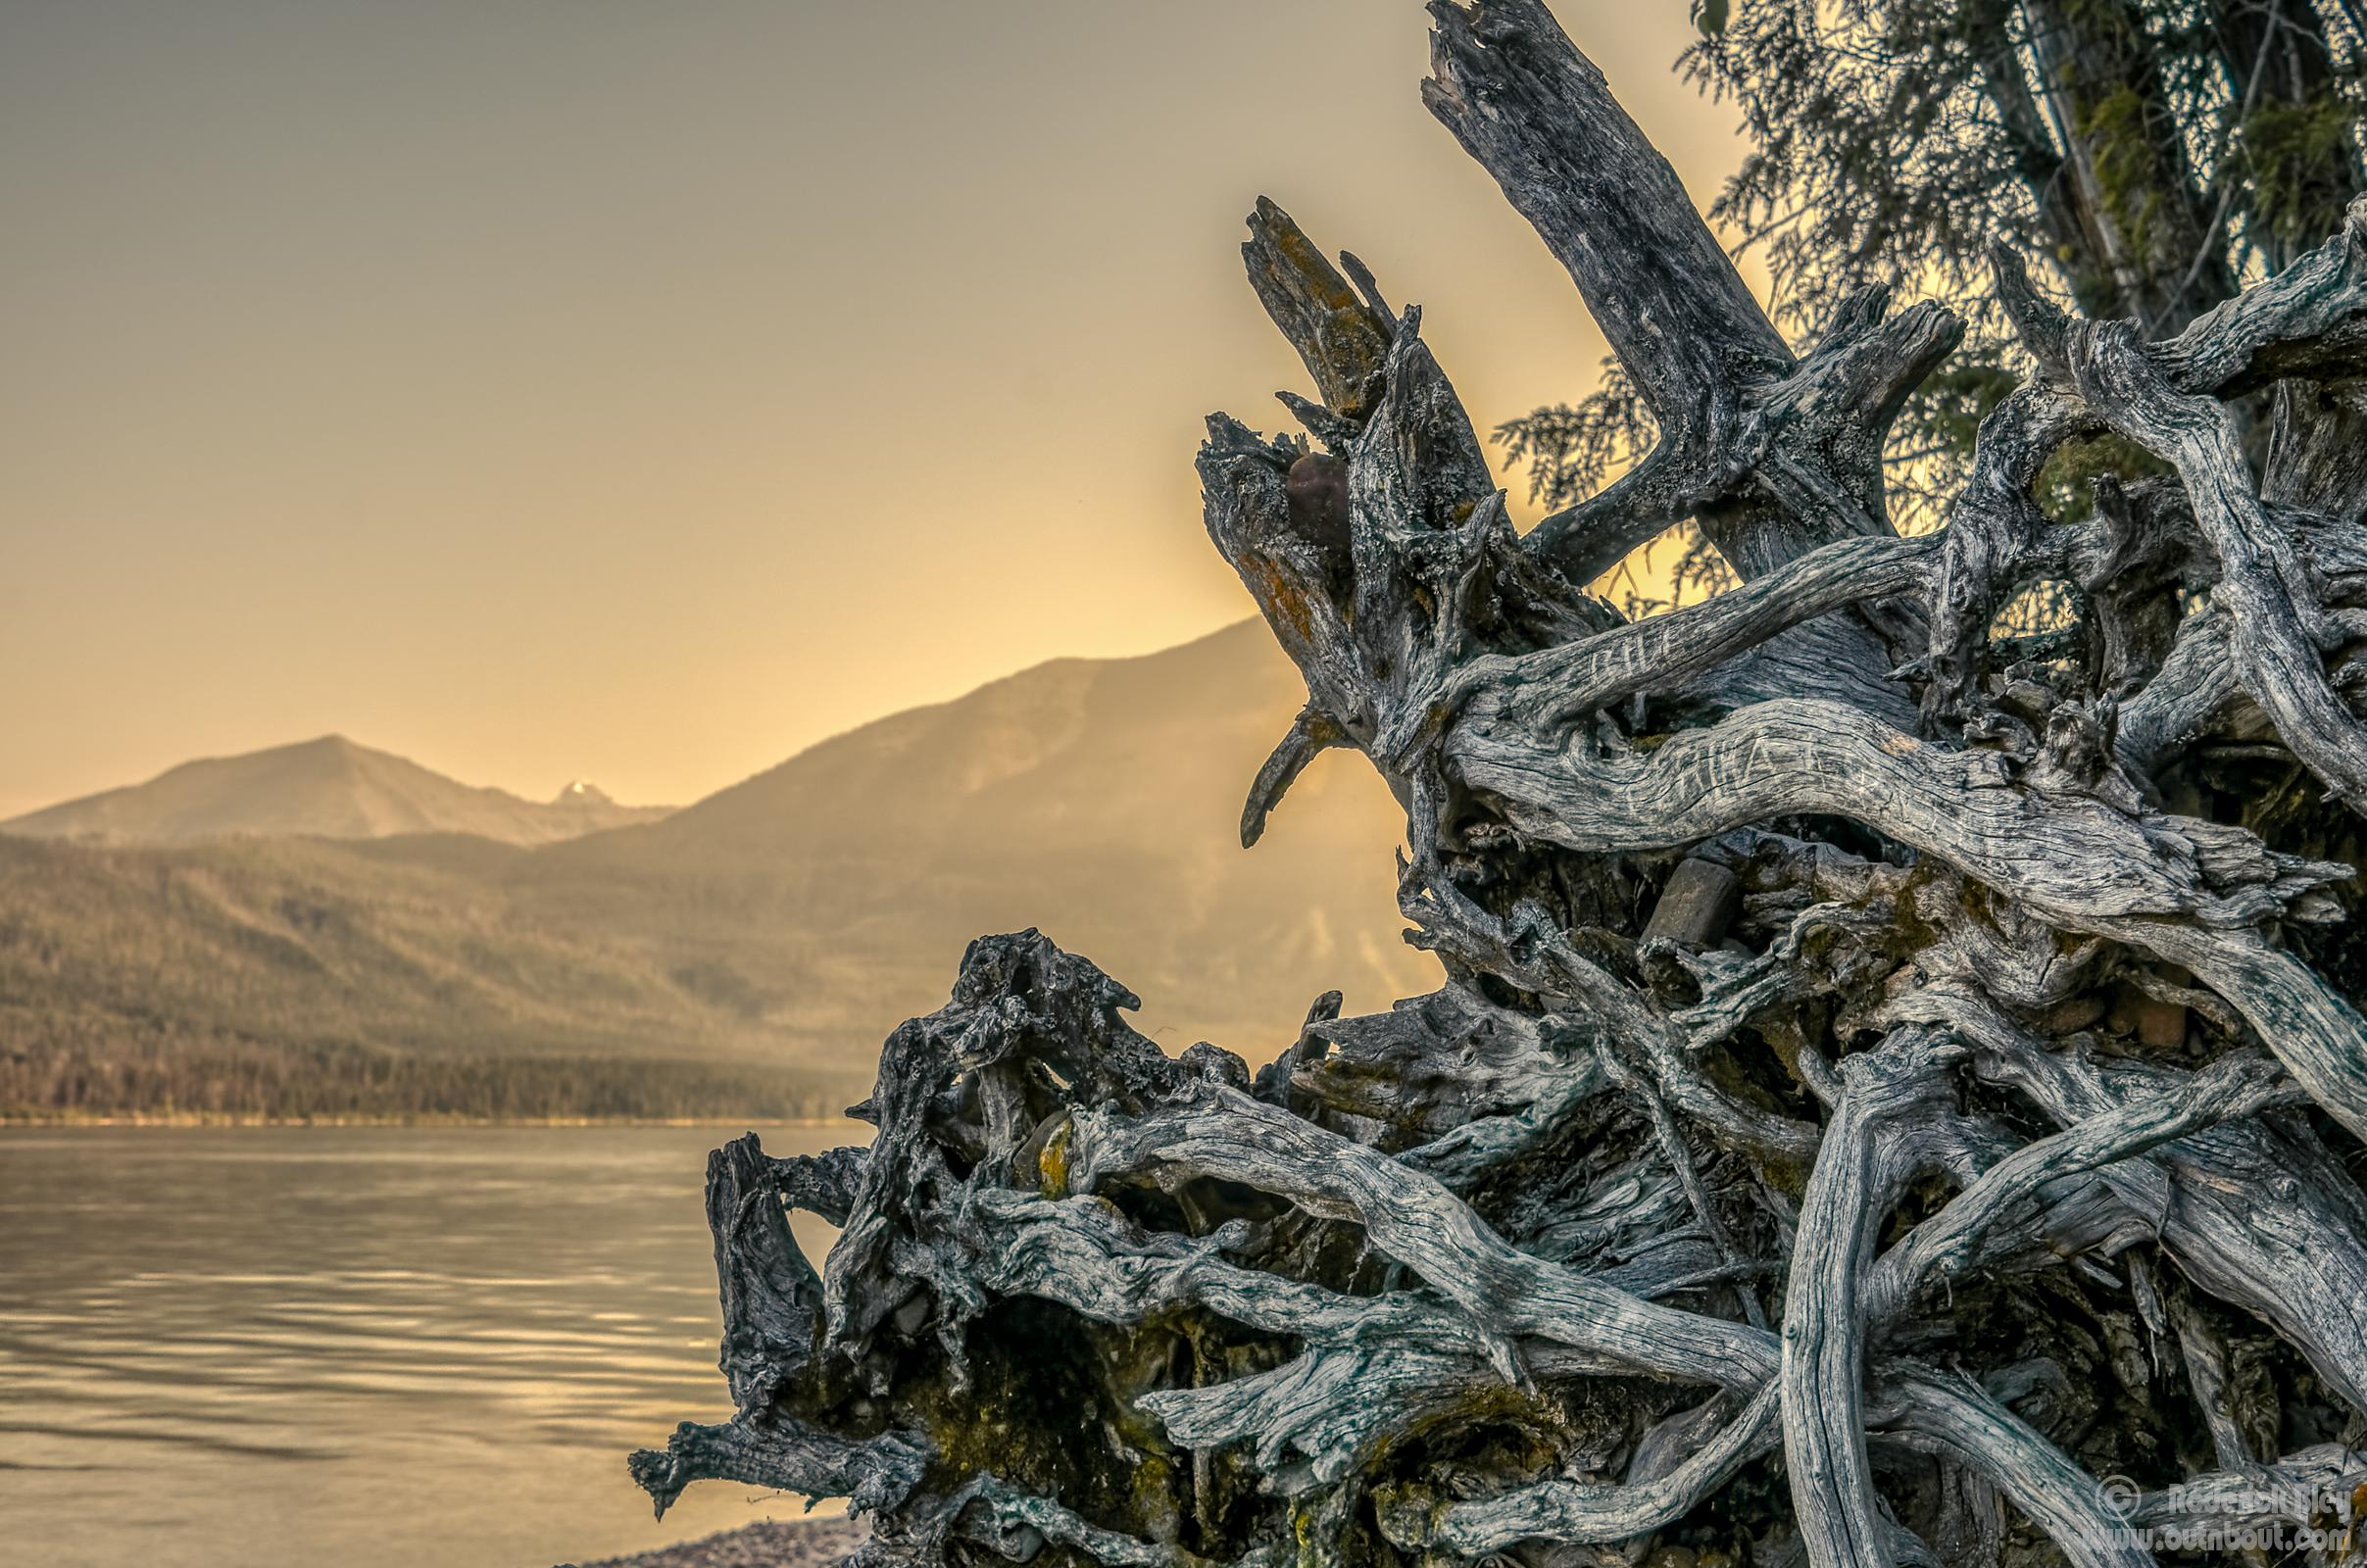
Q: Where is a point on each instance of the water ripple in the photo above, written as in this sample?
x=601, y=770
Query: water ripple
x=357, y=1345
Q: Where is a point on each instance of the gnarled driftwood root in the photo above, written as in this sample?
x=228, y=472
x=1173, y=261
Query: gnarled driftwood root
x=1897, y=1095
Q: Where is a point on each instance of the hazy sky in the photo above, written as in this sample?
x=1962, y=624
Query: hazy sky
x=644, y=391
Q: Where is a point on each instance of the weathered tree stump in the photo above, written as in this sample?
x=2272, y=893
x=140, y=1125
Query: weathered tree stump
x=1887, y=1078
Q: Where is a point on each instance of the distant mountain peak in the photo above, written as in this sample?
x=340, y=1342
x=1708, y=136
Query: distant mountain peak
x=328, y=787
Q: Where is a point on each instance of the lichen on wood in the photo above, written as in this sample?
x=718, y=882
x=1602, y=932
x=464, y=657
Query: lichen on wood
x=1897, y=1094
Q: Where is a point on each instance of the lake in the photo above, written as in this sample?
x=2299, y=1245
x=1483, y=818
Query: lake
x=425, y=1347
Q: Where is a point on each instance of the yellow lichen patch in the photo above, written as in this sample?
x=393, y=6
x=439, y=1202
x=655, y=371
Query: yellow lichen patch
x=1324, y=282
x=1282, y=596
x=1052, y=1165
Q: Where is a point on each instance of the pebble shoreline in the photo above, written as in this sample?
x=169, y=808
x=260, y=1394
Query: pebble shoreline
x=775, y=1543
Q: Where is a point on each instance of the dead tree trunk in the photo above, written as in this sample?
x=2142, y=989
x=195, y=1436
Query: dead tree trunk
x=1889, y=1077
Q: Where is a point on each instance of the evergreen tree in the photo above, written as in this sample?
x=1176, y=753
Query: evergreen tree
x=2153, y=154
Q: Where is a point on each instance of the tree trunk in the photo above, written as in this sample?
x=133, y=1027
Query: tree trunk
x=2154, y=247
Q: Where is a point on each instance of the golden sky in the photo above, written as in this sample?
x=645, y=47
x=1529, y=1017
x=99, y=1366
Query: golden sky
x=643, y=391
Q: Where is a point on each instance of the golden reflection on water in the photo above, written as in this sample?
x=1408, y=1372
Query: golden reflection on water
x=356, y=1345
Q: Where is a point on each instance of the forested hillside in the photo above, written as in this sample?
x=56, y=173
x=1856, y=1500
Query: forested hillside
x=743, y=957
x=308, y=978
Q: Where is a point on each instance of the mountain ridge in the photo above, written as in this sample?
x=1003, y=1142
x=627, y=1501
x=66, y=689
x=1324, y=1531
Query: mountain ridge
x=771, y=934
x=327, y=787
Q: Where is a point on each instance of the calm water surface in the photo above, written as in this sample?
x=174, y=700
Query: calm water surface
x=356, y=1347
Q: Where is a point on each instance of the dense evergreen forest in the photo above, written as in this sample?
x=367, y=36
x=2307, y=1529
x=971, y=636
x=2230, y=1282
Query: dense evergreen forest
x=165, y=1077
